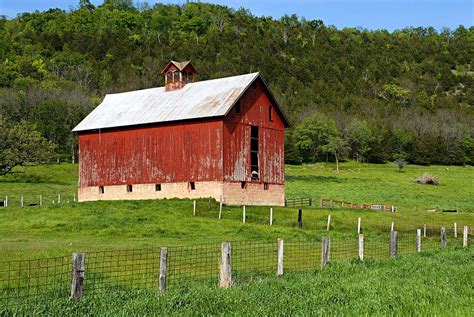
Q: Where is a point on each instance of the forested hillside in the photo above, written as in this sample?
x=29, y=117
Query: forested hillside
x=370, y=95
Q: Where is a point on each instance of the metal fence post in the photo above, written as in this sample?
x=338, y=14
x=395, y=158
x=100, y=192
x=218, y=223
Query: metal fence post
x=163, y=269
x=393, y=243
x=300, y=218
x=361, y=247
x=271, y=216
x=418, y=240
x=280, y=257
x=226, y=265
x=78, y=272
x=325, y=250
x=443, y=237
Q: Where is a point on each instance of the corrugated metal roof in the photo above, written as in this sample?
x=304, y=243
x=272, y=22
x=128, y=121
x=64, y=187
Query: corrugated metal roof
x=201, y=99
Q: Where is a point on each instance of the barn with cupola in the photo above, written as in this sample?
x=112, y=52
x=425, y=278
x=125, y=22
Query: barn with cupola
x=220, y=138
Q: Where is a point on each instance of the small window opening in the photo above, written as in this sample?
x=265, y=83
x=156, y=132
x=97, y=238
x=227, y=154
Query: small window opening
x=129, y=188
x=265, y=186
x=192, y=185
x=270, y=113
x=101, y=189
x=243, y=185
x=237, y=108
x=254, y=164
x=157, y=187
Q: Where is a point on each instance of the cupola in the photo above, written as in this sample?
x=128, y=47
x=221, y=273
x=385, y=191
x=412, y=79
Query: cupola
x=178, y=74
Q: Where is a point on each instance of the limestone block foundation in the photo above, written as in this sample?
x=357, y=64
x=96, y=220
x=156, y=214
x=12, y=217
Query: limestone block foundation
x=231, y=193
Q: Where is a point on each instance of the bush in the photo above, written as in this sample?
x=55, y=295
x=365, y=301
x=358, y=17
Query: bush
x=429, y=179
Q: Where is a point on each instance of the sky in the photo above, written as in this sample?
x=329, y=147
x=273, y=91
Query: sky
x=370, y=14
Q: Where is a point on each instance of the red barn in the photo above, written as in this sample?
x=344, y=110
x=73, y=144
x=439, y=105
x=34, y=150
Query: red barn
x=221, y=138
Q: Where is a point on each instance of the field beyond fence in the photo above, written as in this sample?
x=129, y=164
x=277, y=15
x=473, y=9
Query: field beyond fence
x=229, y=263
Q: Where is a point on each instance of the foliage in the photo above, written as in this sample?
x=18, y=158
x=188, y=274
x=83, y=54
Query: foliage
x=21, y=144
x=428, y=179
x=337, y=147
x=400, y=164
x=407, y=92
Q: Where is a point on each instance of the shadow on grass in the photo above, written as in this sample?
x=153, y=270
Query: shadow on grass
x=20, y=177
x=315, y=178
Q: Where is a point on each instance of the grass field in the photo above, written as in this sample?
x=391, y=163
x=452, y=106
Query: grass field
x=434, y=283
x=58, y=229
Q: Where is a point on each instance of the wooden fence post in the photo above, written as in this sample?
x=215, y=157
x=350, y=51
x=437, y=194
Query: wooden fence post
x=424, y=230
x=418, y=240
x=320, y=203
x=59, y=198
x=163, y=269
x=328, y=226
x=361, y=246
x=393, y=226
x=41, y=200
x=78, y=272
x=6, y=201
x=271, y=216
x=464, y=236
x=393, y=243
x=226, y=266
x=455, y=230
x=330, y=203
x=443, y=237
x=194, y=207
x=280, y=257
x=243, y=214
x=220, y=208
x=359, y=221
x=300, y=218
x=74, y=197
x=22, y=202
x=325, y=250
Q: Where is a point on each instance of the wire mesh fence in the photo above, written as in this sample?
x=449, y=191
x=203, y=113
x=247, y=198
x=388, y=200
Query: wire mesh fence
x=32, y=200
x=140, y=268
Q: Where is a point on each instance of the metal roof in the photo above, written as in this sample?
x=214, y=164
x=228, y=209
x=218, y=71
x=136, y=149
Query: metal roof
x=203, y=99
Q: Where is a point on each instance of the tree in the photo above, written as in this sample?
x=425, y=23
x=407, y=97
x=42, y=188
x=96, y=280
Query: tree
x=360, y=136
x=21, y=144
x=337, y=147
x=312, y=133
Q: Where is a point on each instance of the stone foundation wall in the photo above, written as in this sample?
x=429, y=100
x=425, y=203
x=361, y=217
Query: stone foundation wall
x=232, y=193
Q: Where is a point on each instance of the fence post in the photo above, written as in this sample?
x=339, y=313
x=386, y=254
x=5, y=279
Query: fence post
x=220, y=208
x=271, y=216
x=300, y=218
x=243, y=214
x=40, y=200
x=163, y=269
x=464, y=236
x=21, y=201
x=320, y=203
x=361, y=246
x=226, y=266
x=325, y=250
x=455, y=230
x=194, y=207
x=280, y=257
x=328, y=226
x=424, y=230
x=59, y=198
x=392, y=227
x=393, y=243
x=443, y=237
x=330, y=203
x=418, y=240
x=74, y=197
x=359, y=221
x=78, y=272
x=310, y=201
x=6, y=201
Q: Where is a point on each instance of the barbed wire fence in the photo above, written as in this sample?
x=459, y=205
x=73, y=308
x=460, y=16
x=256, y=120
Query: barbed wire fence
x=157, y=270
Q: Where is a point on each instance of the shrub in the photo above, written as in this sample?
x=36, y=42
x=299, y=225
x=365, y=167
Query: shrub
x=429, y=179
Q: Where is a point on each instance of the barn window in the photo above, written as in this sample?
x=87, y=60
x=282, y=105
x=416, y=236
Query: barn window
x=254, y=153
x=101, y=189
x=157, y=187
x=265, y=186
x=192, y=185
x=237, y=108
x=270, y=113
x=129, y=188
x=243, y=185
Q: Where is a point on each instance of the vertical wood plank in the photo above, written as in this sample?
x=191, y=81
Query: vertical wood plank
x=77, y=276
x=226, y=266
x=163, y=269
x=443, y=242
x=325, y=250
x=361, y=247
x=418, y=240
x=280, y=257
x=393, y=243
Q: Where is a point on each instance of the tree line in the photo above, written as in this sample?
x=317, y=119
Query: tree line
x=372, y=94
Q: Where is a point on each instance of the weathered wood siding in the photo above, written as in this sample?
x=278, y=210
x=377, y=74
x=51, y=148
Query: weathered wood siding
x=155, y=154
x=254, y=106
